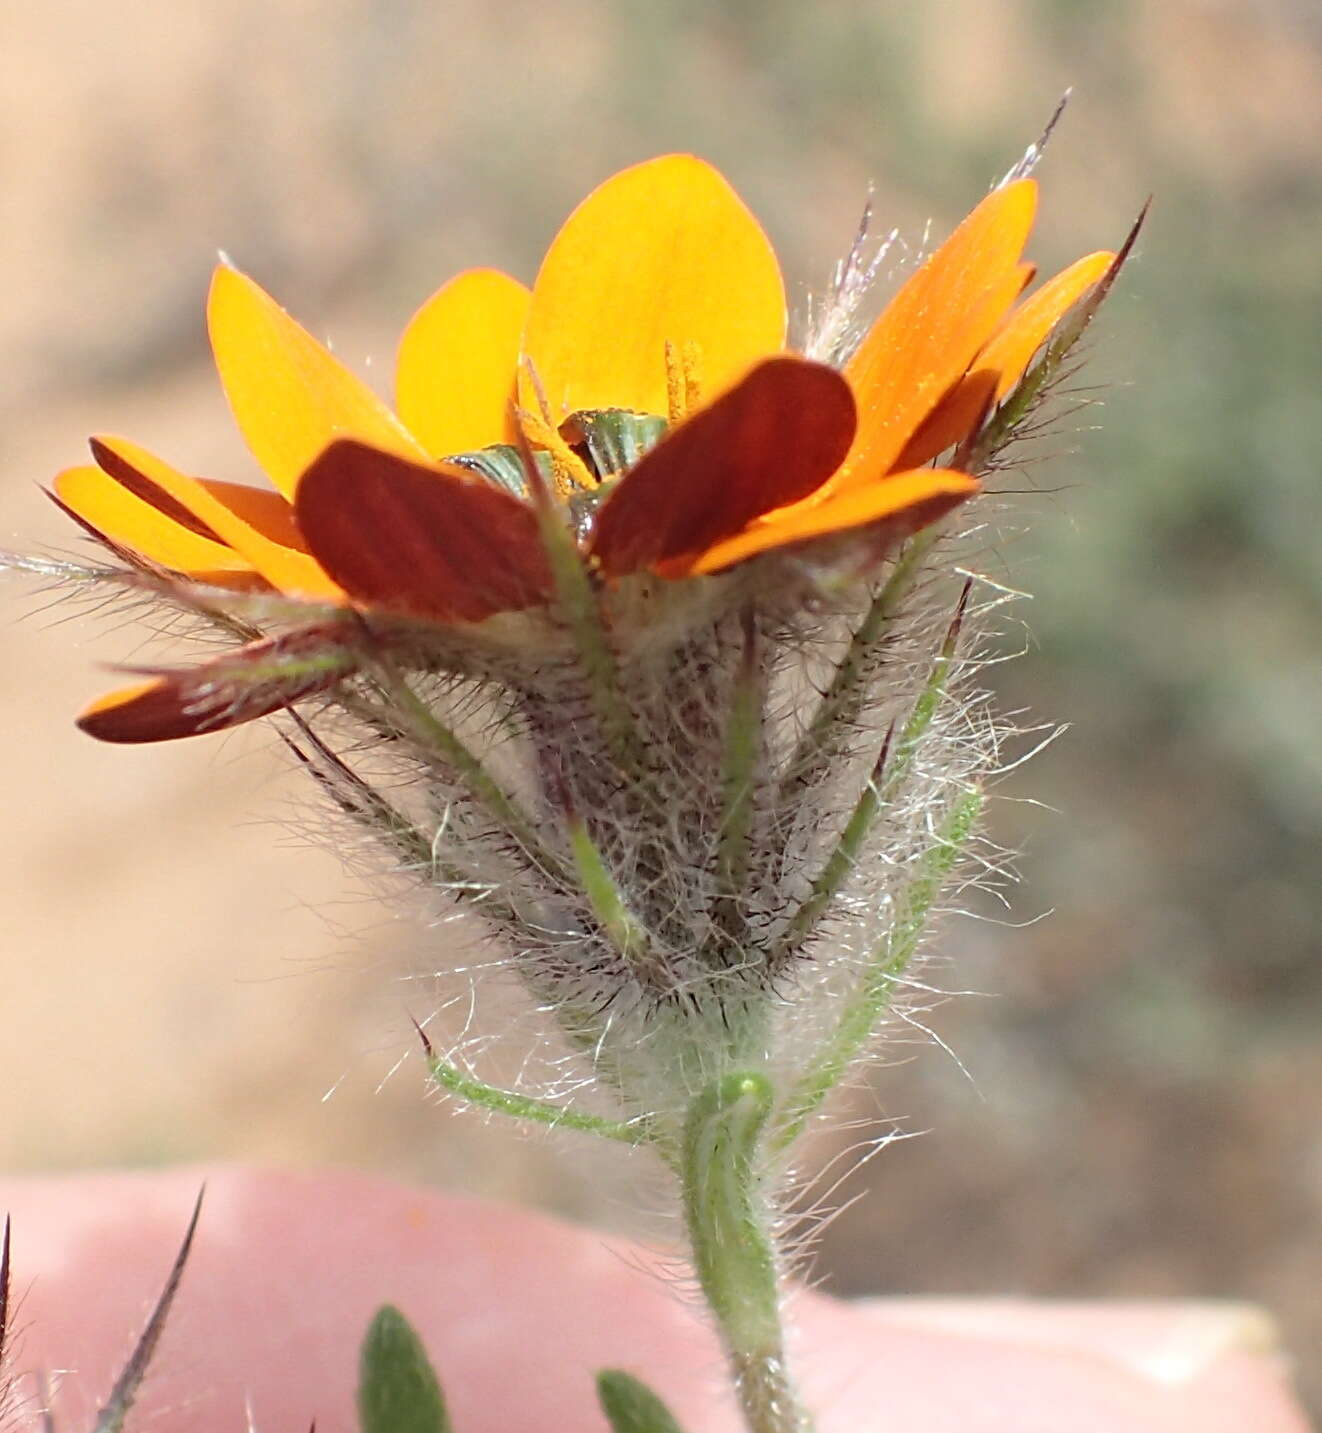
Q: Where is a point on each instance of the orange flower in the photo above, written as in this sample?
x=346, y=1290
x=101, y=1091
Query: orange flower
x=644, y=375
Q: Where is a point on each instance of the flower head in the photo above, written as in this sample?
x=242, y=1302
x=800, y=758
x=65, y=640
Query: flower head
x=636, y=633
x=640, y=395
x=645, y=616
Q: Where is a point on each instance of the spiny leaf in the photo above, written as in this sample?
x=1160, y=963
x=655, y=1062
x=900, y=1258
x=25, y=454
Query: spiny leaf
x=397, y=1389
x=112, y=1415
x=632, y=1407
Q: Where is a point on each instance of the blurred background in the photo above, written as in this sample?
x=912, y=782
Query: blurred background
x=1139, y=1108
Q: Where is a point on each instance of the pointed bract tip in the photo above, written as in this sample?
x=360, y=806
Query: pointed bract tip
x=427, y=1048
x=116, y=1409
x=883, y=756
x=1088, y=308
x=957, y=621
x=1033, y=154
x=4, y=1292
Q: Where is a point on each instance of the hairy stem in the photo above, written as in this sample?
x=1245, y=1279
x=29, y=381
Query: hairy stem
x=726, y=1216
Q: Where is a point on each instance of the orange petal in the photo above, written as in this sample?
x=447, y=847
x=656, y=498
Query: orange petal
x=665, y=251
x=1025, y=331
x=255, y=525
x=289, y=395
x=953, y=419
x=454, y=379
x=235, y=688
x=430, y=541
x=932, y=328
x=119, y=514
x=773, y=439
x=900, y=504
x=1001, y=364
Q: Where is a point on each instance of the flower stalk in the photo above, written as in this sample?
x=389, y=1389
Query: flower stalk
x=726, y=1214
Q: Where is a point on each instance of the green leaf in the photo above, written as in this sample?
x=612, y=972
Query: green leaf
x=632, y=1407
x=397, y=1390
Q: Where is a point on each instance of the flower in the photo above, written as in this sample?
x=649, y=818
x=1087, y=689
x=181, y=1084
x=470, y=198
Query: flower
x=636, y=637
x=641, y=390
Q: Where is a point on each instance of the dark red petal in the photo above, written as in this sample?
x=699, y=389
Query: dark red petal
x=115, y=465
x=432, y=542
x=235, y=688
x=772, y=439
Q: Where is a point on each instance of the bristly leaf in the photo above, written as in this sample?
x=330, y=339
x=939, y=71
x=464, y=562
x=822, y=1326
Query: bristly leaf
x=397, y=1390
x=112, y=1415
x=632, y=1407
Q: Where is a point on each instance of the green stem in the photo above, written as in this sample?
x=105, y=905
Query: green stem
x=733, y=1252
x=528, y=1107
x=883, y=972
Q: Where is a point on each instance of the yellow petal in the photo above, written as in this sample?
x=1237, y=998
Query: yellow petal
x=291, y=398
x=251, y=526
x=454, y=378
x=665, y=251
x=126, y=518
x=900, y=504
x=1024, y=332
x=934, y=326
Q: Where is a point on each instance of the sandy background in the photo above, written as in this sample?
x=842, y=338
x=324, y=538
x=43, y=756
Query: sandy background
x=185, y=980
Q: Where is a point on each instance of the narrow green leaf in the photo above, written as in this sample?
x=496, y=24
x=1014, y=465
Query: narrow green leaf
x=397, y=1389
x=528, y=1107
x=632, y=1407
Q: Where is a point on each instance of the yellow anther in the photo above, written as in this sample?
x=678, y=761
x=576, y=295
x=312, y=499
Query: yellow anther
x=676, y=387
x=692, y=362
x=570, y=472
x=683, y=379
